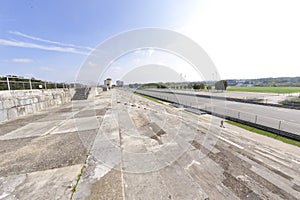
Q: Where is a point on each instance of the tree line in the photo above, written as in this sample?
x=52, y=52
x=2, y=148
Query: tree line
x=219, y=85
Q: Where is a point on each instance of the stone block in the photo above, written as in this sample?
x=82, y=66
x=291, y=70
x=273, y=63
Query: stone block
x=8, y=103
x=3, y=115
x=12, y=113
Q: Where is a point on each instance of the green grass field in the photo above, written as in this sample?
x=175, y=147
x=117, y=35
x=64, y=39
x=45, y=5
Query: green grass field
x=281, y=90
x=150, y=98
x=266, y=133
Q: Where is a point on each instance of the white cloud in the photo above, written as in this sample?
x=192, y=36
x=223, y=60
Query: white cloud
x=22, y=60
x=15, y=43
x=48, y=69
x=50, y=45
x=48, y=41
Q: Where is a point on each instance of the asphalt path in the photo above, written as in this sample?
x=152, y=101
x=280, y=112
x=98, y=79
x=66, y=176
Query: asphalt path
x=278, y=118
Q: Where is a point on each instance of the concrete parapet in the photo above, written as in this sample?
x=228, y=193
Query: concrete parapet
x=18, y=103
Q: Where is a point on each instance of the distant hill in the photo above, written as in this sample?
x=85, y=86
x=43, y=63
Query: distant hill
x=280, y=81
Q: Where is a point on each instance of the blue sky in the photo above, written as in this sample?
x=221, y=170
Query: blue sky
x=51, y=39
x=84, y=24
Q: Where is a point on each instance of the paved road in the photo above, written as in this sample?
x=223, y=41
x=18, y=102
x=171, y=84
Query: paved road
x=266, y=97
x=279, y=118
x=123, y=146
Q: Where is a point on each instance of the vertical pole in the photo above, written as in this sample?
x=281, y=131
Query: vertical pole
x=30, y=84
x=238, y=115
x=255, y=119
x=8, y=85
x=55, y=85
x=45, y=85
x=279, y=125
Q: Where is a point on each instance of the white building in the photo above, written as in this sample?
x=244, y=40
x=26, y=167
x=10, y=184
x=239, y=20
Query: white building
x=108, y=83
x=120, y=83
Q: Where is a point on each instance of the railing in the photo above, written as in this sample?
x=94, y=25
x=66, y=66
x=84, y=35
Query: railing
x=278, y=126
x=29, y=84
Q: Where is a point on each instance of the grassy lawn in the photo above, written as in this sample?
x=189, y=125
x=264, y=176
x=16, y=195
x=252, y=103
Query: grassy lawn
x=150, y=98
x=265, y=89
x=266, y=133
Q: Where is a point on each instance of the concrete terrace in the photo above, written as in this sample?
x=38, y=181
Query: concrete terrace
x=117, y=145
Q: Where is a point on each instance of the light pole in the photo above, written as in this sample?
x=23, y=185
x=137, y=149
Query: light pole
x=8, y=85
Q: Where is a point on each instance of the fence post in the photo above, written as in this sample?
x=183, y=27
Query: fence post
x=30, y=84
x=279, y=125
x=8, y=85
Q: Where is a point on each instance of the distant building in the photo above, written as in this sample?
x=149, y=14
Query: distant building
x=120, y=83
x=108, y=83
x=232, y=82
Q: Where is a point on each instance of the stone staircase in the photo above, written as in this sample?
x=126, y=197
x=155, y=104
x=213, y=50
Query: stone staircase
x=81, y=93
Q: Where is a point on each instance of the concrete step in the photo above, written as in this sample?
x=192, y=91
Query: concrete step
x=81, y=93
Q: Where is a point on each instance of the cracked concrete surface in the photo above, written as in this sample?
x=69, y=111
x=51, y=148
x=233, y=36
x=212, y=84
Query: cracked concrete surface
x=123, y=146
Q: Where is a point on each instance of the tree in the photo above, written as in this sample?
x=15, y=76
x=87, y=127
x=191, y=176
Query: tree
x=190, y=86
x=200, y=86
x=196, y=86
x=221, y=85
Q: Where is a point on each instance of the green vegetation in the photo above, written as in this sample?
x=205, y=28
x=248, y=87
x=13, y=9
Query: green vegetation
x=275, y=82
x=153, y=85
x=281, y=90
x=80, y=174
x=296, y=100
x=148, y=85
x=221, y=85
x=266, y=133
x=19, y=83
x=77, y=181
x=291, y=102
x=200, y=86
x=150, y=98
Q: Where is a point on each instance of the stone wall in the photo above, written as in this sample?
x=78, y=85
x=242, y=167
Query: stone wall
x=18, y=103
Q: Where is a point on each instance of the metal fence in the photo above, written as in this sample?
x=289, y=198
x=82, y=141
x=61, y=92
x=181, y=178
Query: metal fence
x=7, y=83
x=191, y=101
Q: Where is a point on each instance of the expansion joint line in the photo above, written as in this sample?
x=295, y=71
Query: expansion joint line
x=83, y=167
x=121, y=161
